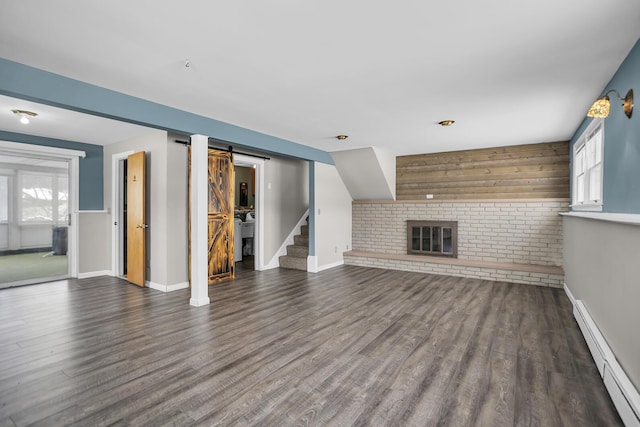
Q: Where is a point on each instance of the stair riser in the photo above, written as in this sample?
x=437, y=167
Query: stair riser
x=293, y=263
x=304, y=230
x=301, y=240
x=298, y=251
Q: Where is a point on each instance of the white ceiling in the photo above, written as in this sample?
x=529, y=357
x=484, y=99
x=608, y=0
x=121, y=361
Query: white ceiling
x=57, y=123
x=382, y=72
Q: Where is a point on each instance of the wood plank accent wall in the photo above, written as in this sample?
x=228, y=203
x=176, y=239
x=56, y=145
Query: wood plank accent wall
x=531, y=171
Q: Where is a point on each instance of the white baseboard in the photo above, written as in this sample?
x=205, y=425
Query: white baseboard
x=312, y=264
x=313, y=267
x=199, y=302
x=167, y=288
x=624, y=395
x=282, y=250
x=569, y=294
x=90, y=274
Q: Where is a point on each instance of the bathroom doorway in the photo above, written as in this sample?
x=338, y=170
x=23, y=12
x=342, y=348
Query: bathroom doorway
x=248, y=212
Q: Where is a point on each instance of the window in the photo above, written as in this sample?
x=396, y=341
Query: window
x=43, y=198
x=587, y=168
x=4, y=199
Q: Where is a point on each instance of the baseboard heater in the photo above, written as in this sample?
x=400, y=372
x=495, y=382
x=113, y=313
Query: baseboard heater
x=624, y=395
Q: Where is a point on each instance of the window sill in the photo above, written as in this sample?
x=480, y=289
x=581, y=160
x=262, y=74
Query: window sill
x=633, y=219
x=586, y=208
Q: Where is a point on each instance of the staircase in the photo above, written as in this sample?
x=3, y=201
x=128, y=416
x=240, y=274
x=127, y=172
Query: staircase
x=296, y=257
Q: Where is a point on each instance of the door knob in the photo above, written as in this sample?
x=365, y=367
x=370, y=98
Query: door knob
x=142, y=226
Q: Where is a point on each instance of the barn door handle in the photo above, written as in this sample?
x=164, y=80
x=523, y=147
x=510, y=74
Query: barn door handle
x=142, y=226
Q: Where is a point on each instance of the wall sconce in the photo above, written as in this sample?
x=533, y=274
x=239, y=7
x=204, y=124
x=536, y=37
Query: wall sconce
x=600, y=108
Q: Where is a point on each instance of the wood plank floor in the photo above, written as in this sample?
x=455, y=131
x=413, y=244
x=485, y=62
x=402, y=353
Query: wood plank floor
x=348, y=346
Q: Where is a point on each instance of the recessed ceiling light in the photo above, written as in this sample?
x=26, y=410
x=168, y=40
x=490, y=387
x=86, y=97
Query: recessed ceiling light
x=24, y=115
x=342, y=137
x=446, y=122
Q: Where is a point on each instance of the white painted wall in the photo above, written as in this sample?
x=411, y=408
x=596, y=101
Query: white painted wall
x=93, y=241
x=332, y=218
x=177, y=219
x=286, y=200
x=387, y=162
x=601, y=269
x=368, y=174
x=166, y=204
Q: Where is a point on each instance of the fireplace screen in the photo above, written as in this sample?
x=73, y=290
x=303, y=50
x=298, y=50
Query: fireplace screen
x=438, y=238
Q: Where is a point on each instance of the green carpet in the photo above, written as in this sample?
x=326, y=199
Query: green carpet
x=14, y=268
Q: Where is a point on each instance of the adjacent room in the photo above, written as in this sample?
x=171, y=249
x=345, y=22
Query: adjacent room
x=34, y=214
x=341, y=214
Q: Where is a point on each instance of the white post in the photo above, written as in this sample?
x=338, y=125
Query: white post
x=199, y=232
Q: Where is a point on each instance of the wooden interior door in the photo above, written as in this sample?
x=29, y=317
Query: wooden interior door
x=136, y=214
x=220, y=215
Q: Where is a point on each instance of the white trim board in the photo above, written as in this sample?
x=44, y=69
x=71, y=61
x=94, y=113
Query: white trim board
x=632, y=219
x=36, y=281
x=115, y=209
x=23, y=150
x=90, y=274
x=312, y=264
x=167, y=288
x=624, y=395
x=258, y=240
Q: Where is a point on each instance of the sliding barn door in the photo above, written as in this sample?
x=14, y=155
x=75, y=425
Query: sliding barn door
x=220, y=215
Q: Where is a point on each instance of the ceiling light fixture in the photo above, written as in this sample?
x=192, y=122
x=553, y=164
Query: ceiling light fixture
x=446, y=122
x=24, y=115
x=601, y=108
x=342, y=137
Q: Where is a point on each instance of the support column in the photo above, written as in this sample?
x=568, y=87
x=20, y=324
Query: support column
x=199, y=225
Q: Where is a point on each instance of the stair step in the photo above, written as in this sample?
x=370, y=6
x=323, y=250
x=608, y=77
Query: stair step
x=298, y=251
x=304, y=230
x=300, y=240
x=293, y=263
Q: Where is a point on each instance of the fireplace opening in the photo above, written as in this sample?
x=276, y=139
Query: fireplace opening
x=433, y=238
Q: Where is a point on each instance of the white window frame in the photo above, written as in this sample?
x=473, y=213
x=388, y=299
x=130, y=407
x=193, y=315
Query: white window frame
x=592, y=169
x=73, y=156
x=9, y=198
x=56, y=219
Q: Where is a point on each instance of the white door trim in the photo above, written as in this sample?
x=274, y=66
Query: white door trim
x=115, y=209
x=242, y=160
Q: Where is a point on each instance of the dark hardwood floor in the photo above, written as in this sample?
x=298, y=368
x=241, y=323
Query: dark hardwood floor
x=348, y=346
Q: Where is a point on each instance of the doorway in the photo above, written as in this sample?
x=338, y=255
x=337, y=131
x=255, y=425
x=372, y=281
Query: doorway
x=119, y=214
x=249, y=212
x=38, y=205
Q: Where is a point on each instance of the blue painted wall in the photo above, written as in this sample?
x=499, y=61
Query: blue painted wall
x=312, y=208
x=621, y=190
x=24, y=82
x=91, y=173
